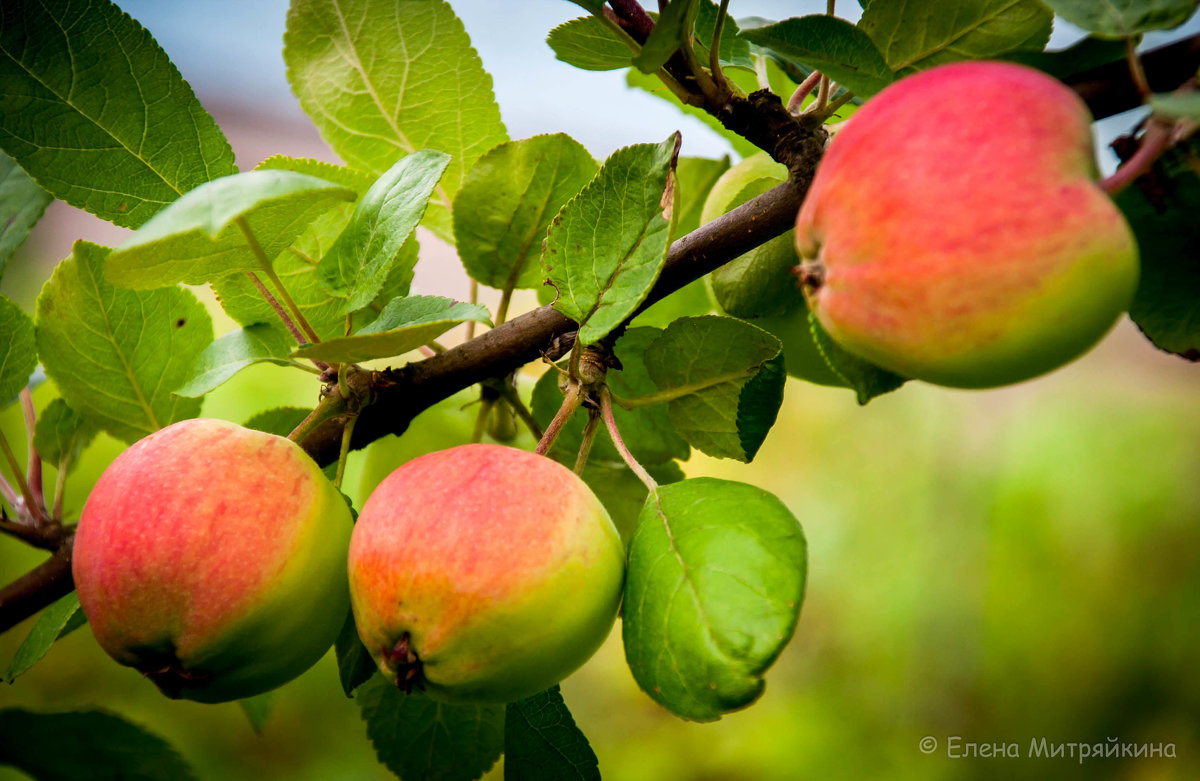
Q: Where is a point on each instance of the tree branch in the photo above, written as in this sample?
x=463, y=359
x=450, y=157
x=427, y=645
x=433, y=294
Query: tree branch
x=38, y=588
x=1109, y=89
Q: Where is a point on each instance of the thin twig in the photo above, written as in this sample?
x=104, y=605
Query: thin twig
x=714, y=48
x=485, y=411
x=606, y=410
x=33, y=466
x=797, y=100
x=1136, y=71
x=589, y=437
x=347, y=433
x=1155, y=141
x=571, y=401
x=22, y=486
x=474, y=299
x=269, y=269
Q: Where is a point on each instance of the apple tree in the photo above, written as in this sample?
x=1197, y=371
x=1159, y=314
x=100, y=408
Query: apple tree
x=678, y=295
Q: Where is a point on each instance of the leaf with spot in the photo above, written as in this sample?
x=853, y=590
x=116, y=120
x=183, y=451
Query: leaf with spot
x=382, y=80
x=201, y=237
x=506, y=204
x=914, y=35
x=22, y=203
x=605, y=249
x=404, y=325
x=724, y=378
x=712, y=594
x=56, y=622
x=116, y=355
x=18, y=350
x=541, y=741
x=833, y=46
x=1121, y=18
x=89, y=744
x=93, y=109
x=358, y=264
x=262, y=343
x=420, y=738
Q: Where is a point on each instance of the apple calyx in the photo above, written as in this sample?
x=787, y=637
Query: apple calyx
x=407, y=665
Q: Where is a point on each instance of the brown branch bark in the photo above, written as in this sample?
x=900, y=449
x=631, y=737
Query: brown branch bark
x=1109, y=89
x=38, y=588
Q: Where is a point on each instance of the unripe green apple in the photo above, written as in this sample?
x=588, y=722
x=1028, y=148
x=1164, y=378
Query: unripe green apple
x=760, y=286
x=212, y=558
x=954, y=231
x=484, y=573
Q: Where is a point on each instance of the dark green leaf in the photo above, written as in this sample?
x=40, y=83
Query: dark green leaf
x=918, y=34
x=647, y=431
x=382, y=80
x=1121, y=18
x=541, y=741
x=420, y=738
x=725, y=378
x=606, y=247
x=92, y=108
x=506, y=204
x=233, y=352
x=91, y=744
x=22, y=203
x=587, y=43
x=1166, y=306
x=1081, y=56
x=404, y=325
x=61, y=433
x=673, y=25
x=621, y=491
x=355, y=665
x=198, y=239
x=712, y=595
x=734, y=49
x=57, y=621
x=257, y=709
x=867, y=379
x=366, y=252
x=18, y=350
x=116, y=354
x=833, y=46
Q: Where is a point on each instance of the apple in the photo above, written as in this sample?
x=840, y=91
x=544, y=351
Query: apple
x=483, y=573
x=212, y=558
x=954, y=231
x=760, y=286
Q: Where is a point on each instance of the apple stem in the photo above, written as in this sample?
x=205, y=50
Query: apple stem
x=347, y=433
x=485, y=411
x=571, y=401
x=473, y=297
x=802, y=92
x=589, y=437
x=1136, y=71
x=606, y=410
x=1155, y=141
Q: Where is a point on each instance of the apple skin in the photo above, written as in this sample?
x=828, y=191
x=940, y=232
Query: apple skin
x=500, y=567
x=769, y=298
x=954, y=232
x=213, y=558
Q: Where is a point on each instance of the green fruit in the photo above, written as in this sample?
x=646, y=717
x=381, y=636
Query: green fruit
x=954, y=232
x=484, y=573
x=212, y=558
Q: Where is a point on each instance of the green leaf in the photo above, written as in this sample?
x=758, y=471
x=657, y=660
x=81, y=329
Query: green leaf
x=94, y=110
x=621, y=491
x=506, y=204
x=672, y=26
x=257, y=709
x=355, y=665
x=833, y=46
x=382, y=80
x=358, y=181
x=1083, y=55
x=694, y=180
x=759, y=283
x=57, y=621
x=116, y=354
x=61, y=433
x=404, y=325
x=18, y=350
x=198, y=239
x=420, y=738
x=22, y=203
x=606, y=247
x=1121, y=18
x=359, y=262
x=914, y=35
x=1182, y=106
x=1166, y=306
x=712, y=595
x=734, y=49
x=233, y=352
x=541, y=741
x=647, y=431
x=588, y=44
x=726, y=380
x=865, y=378
x=89, y=744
